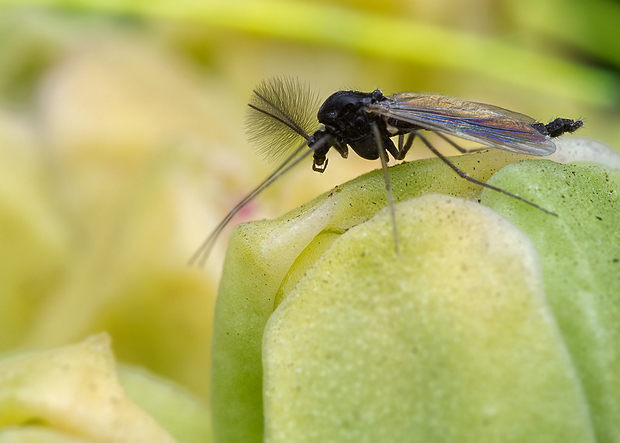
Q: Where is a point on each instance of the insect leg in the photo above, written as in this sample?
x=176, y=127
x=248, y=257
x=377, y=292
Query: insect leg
x=473, y=180
x=388, y=187
x=404, y=148
x=458, y=148
x=319, y=166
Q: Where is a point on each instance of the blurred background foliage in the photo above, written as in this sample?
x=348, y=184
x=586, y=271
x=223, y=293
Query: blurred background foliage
x=122, y=136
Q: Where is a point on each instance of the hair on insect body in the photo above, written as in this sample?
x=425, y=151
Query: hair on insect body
x=281, y=122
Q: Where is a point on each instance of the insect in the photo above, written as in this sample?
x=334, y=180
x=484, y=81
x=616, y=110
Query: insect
x=366, y=122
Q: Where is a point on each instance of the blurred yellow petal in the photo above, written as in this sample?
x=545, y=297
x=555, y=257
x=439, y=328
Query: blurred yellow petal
x=104, y=201
x=34, y=240
x=76, y=390
x=33, y=434
x=182, y=414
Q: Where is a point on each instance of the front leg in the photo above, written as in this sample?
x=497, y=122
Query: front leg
x=319, y=165
x=320, y=160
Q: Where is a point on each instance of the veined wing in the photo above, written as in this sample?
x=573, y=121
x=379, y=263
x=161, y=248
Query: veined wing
x=485, y=124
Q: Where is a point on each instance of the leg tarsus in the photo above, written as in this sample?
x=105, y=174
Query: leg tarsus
x=459, y=148
x=320, y=168
x=476, y=181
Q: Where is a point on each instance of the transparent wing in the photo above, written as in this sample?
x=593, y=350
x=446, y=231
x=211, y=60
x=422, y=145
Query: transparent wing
x=481, y=123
